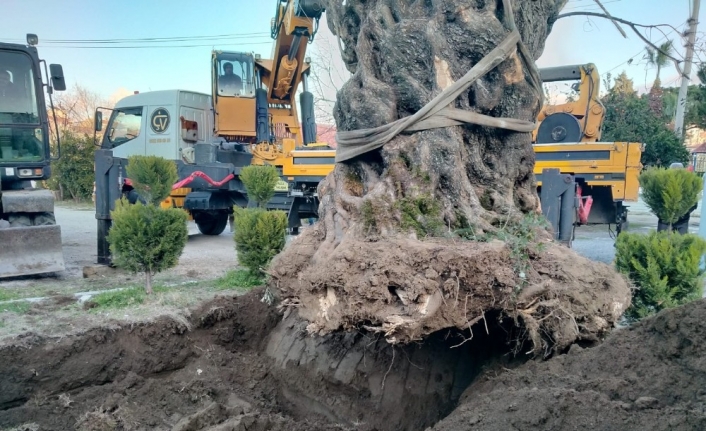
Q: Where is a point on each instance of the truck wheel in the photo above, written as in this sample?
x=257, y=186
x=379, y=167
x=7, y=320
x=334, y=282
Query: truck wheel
x=211, y=224
x=19, y=220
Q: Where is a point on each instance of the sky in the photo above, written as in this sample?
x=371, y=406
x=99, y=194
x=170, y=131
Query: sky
x=118, y=69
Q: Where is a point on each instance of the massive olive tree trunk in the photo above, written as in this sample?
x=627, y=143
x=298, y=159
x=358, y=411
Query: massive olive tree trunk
x=433, y=230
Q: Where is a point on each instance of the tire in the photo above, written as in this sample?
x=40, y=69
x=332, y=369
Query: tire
x=19, y=220
x=211, y=224
x=44, y=219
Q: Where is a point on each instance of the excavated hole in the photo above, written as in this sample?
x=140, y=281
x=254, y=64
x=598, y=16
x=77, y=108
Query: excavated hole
x=240, y=364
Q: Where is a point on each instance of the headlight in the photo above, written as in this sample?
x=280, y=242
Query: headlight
x=29, y=173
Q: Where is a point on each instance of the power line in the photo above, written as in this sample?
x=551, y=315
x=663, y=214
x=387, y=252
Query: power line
x=152, y=39
x=156, y=46
x=662, y=39
x=588, y=7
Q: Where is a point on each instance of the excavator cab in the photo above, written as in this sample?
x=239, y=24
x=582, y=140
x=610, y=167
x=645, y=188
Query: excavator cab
x=233, y=88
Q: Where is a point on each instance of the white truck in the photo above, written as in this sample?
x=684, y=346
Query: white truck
x=178, y=125
x=160, y=123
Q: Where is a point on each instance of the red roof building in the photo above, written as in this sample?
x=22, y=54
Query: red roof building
x=326, y=133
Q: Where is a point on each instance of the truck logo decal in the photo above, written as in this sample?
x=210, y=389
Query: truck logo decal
x=159, y=121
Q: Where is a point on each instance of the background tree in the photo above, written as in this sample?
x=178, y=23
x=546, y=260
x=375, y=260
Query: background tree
x=629, y=118
x=695, y=116
x=73, y=174
x=622, y=85
x=659, y=58
x=328, y=74
x=75, y=109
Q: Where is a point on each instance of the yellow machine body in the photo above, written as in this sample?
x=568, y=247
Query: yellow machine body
x=568, y=138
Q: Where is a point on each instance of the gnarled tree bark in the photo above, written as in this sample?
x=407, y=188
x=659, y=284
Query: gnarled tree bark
x=386, y=254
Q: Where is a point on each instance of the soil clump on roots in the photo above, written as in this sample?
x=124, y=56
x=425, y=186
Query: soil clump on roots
x=236, y=364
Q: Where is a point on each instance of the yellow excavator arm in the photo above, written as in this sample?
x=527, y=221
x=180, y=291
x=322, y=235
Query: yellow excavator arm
x=294, y=26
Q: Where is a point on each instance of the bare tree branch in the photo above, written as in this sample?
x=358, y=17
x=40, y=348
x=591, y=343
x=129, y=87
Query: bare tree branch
x=620, y=29
x=634, y=27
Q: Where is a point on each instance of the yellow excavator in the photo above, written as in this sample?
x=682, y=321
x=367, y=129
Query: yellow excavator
x=257, y=121
x=568, y=138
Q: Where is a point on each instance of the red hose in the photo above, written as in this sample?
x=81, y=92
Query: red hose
x=584, y=207
x=200, y=174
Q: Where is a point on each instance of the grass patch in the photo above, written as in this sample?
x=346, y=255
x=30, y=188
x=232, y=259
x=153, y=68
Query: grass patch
x=82, y=205
x=240, y=278
x=7, y=295
x=520, y=237
x=120, y=298
x=19, y=307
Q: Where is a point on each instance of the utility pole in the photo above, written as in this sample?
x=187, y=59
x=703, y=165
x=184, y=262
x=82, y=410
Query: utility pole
x=681, y=101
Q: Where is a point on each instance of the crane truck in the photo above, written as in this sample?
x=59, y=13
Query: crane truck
x=250, y=118
x=568, y=138
x=30, y=239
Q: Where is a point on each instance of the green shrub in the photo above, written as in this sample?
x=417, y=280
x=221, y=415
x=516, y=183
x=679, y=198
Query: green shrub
x=152, y=177
x=73, y=174
x=665, y=266
x=670, y=193
x=146, y=238
x=259, y=236
x=260, y=182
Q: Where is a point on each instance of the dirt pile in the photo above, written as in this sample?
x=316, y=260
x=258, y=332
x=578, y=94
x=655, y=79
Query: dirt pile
x=167, y=375
x=649, y=377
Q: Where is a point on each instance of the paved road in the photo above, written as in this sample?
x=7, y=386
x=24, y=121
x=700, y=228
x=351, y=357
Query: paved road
x=204, y=256
x=596, y=242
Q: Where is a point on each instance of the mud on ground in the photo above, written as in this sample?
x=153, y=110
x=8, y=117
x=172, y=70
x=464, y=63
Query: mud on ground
x=165, y=375
x=238, y=365
x=650, y=376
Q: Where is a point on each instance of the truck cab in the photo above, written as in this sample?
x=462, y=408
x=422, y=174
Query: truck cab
x=165, y=123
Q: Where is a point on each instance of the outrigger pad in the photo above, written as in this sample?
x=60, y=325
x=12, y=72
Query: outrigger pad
x=30, y=250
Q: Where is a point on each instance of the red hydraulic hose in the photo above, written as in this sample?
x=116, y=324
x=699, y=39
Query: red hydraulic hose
x=208, y=179
x=584, y=207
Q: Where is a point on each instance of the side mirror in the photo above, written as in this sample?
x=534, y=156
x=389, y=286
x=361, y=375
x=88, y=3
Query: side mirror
x=57, y=77
x=98, y=121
